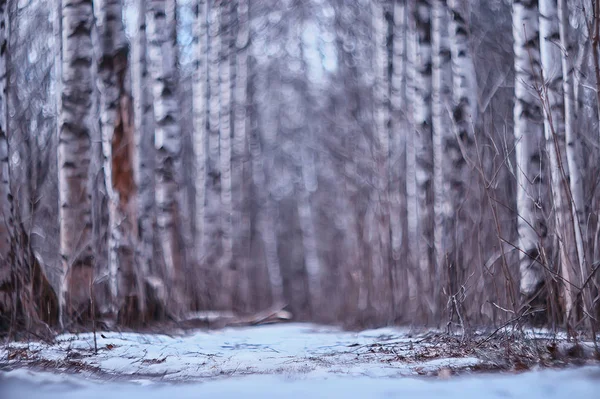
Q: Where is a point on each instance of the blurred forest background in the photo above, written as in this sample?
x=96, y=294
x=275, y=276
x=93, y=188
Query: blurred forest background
x=416, y=162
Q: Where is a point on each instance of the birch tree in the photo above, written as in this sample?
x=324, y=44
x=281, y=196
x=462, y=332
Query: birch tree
x=574, y=157
x=225, y=148
x=443, y=143
x=242, y=215
x=212, y=216
x=200, y=114
x=144, y=149
x=528, y=120
x=167, y=141
x=5, y=269
x=117, y=144
x=74, y=157
x=464, y=111
x=398, y=122
x=422, y=143
x=383, y=278
x=398, y=129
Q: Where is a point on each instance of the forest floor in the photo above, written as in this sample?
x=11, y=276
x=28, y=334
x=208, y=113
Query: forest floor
x=295, y=360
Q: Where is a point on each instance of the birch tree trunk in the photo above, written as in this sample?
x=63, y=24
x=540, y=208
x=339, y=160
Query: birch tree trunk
x=443, y=143
x=383, y=280
x=117, y=144
x=74, y=156
x=398, y=120
x=398, y=129
x=574, y=155
x=225, y=151
x=460, y=177
x=5, y=267
x=528, y=120
x=412, y=220
x=145, y=153
x=167, y=141
x=212, y=222
x=240, y=170
x=423, y=148
x=200, y=106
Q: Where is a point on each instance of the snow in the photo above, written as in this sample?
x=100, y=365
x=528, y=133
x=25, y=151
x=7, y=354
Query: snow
x=579, y=383
x=291, y=360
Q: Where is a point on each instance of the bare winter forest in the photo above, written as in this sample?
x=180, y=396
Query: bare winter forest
x=354, y=162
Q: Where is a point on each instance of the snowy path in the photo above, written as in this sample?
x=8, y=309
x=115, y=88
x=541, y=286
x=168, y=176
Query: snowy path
x=291, y=360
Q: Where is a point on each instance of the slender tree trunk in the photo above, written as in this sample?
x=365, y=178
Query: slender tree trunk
x=528, y=146
x=412, y=201
x=423, y=148
x=167, y=141
x=212, y=221
x=213, y=190
x=574, y=158
x=74, y=156
x=5, y=267
x=225, y=152
x=398, y=129
x=117, y=143
x=145, y=155
x=460, y=176
x=240, y=168
x=200, y=117
x=382, y=288
x=443, y=142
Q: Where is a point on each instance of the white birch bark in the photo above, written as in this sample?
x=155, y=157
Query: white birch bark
x=240, y=167
x=212, y=223
x=74, y=156
x=443, y=144
x=413, y=225
x=167, y=141
x=574, y=151
x=144, y=145
x=424, y=149
x=528, y=120
x=225, y=149
x=200, y=114
x=382, y=293
x=464, y=118
x=398, y=125
x=5, y=269
x=117, y=145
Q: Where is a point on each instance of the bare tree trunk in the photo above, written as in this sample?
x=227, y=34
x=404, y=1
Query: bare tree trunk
x=212, y=216
x=240, y=168
x=145, y=156
x=225, y=153
x=200, y=114
x=117, y=142
x=443, y=143
x=412, y=201
x=528, y=146
x=575, y=162
x=460, y=176
x=5, y=222
x=74, y=156
x=382, y=287
x=398, y=130
x=167, y=141
x=423, y=148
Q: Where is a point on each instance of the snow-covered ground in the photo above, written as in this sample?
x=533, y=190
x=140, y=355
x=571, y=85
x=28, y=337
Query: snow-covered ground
x=286, y=360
